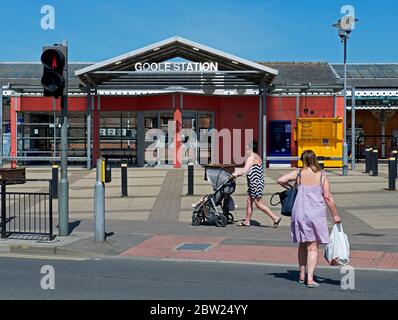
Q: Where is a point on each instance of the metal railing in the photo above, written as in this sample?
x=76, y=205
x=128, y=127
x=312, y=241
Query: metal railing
x=26, y=215
x=44, y=159
x=296, y=158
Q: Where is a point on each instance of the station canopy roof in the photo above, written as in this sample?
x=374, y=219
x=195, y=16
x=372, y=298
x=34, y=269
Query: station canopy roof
x=121, y=72
x=367, y=75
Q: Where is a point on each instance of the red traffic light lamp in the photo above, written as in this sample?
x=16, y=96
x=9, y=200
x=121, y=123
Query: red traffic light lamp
x=54, y=77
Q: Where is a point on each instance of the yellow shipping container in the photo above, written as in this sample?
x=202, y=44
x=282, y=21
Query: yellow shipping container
x=322, y=135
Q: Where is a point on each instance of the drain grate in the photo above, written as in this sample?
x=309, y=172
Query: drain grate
x=194, y=246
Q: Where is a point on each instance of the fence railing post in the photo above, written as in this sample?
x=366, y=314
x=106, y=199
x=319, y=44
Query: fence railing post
x=3, y=210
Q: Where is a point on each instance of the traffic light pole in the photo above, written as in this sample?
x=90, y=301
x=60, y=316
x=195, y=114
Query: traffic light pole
x=63, y=190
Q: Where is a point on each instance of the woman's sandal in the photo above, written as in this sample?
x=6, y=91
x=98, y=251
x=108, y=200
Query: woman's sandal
x=301, y=281
x=313, y=285
x=242, y=224
x=276, y=224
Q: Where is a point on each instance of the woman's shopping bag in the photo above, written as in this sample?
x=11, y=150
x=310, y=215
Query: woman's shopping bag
x=337, y=252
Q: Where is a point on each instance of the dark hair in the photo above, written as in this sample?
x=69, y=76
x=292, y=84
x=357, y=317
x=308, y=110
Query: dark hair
x=309, y=159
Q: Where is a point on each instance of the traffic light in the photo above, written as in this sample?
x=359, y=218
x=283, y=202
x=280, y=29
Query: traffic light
x=53, y=80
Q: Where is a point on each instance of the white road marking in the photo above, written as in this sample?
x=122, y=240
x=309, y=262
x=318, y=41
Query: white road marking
x=42, y=257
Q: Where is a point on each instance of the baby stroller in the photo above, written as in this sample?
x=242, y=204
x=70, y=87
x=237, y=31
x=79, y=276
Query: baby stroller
x=208, y=208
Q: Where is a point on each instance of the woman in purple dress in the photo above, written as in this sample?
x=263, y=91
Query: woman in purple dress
x=309, y=222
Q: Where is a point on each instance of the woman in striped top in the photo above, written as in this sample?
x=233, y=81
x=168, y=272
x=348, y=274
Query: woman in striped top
x=253, y=170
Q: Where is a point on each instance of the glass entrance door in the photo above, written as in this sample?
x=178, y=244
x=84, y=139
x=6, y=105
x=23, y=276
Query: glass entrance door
x=159, y=120
x=200, y=122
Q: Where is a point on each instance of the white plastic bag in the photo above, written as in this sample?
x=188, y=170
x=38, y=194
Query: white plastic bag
x=337, y=252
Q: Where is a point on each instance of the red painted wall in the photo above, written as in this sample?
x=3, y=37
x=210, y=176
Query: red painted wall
x=231, y=112
x=45, y=104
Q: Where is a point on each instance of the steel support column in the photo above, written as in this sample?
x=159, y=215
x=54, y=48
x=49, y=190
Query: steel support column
x=14, y=129
x=353, y=146
x=140, y=139
x=54, y=101
x=260, y=124
x=96, y=129
x=1, y=126
x=264, y=147
x=88, y=126
x=334, y=105
x=177, y=133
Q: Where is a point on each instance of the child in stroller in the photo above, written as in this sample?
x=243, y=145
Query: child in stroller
x=207, y=209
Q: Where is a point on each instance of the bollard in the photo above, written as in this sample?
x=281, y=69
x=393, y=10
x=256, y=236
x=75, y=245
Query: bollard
x=54, y=181
x=321, y=161
x=375, y=163
x=392, y=173
x=368, y=159
x=99, y=203
x=124, y=180
x=108, y=171
x=190, y=179
x=395, y=155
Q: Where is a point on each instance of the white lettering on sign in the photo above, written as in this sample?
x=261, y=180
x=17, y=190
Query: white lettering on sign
x=177, y=66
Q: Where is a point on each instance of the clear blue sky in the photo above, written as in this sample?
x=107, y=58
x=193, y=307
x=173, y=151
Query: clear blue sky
x=259, y=30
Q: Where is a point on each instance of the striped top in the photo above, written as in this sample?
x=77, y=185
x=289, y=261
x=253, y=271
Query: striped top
x=255, y=181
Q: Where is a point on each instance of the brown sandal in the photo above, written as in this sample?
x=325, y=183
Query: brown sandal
x=276, y=224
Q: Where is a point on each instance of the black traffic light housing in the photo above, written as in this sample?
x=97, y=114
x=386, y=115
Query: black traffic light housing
x=53, y=80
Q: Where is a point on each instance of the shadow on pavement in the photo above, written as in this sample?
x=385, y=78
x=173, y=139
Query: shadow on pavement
x=293, y=275
x=73, y=225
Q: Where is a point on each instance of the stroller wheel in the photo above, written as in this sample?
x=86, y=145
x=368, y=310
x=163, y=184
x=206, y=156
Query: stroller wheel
x=196, y=221
x=230, y=218
x=221, y=221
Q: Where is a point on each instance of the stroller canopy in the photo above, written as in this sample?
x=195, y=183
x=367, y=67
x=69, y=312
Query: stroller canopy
x=217, y=177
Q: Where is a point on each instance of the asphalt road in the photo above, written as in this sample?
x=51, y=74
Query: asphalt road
x=121, y=278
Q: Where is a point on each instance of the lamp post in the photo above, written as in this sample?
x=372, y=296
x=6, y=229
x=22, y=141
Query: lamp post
x=344, y=28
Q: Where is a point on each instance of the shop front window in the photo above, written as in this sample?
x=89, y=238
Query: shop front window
x=118, y=136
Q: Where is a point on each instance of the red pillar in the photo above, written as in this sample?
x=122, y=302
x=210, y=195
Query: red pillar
x=96, y=137
x=13, y=123
x=178, y=127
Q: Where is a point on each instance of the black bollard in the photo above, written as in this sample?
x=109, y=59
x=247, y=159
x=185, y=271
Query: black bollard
x=395, y=155
x=368, y=159
x=375, y=163
x=54, y=181
x=124, y=180
x=321, y=161
x=108, y=171
x=392, y=172
x=190, y=179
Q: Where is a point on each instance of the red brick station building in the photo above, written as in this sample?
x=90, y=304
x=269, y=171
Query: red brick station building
x=114, y=102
